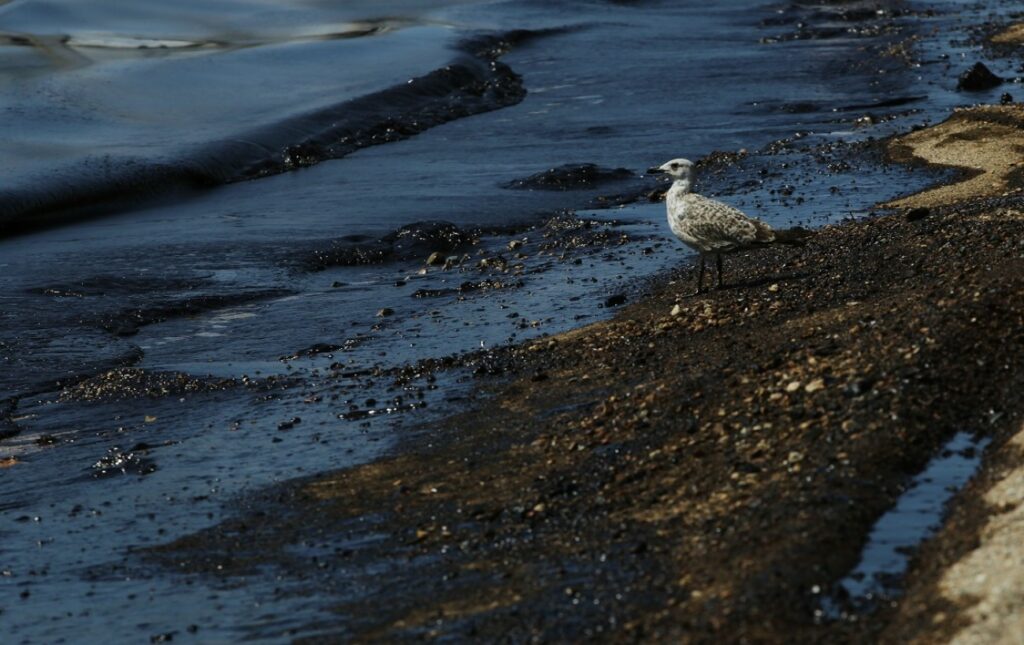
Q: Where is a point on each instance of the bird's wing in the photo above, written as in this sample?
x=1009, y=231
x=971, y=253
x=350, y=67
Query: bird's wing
x=721, y=226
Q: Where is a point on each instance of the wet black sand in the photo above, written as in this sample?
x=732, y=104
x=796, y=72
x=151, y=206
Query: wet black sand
x=707, y=474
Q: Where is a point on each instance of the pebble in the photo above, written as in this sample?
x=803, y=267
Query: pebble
x=436, y=258
x=793, y=386
x=386, y=311
x=676, y=310
x=815, y=385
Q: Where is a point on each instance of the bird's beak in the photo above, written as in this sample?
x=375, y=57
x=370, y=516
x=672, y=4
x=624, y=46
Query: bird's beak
x=655, y=170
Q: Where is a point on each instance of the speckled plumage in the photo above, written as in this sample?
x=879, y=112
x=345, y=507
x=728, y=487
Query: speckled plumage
x=709, y=226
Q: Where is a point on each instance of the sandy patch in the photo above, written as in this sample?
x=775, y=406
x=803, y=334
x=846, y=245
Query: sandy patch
x=986, y=142
x=1012, y=35
x=992, y=576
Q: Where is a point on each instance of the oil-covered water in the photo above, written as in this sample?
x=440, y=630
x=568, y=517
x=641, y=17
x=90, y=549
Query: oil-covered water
x=214, y=201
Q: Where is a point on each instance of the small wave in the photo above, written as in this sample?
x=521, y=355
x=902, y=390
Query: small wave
x=474, y=82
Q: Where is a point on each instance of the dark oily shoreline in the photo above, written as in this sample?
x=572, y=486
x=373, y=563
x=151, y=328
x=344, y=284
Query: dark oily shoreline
x=694, y=469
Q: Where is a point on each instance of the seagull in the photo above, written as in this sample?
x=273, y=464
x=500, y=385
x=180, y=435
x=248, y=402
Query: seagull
x=711, y=227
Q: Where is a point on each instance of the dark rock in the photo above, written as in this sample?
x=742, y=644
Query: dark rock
x=978, y=78
x=425, y=238
x=411, y=241
x=1006, y=98
x=571, y=177
x=386, y=311
x=918, y=213
x=344, y=253
x=615, y=300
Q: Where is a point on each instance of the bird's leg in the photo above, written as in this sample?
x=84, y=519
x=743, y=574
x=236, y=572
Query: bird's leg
x=700, y=277
x=718, y=259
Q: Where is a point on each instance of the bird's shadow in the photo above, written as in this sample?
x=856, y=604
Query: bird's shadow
x=750, y=283
x=766, y=280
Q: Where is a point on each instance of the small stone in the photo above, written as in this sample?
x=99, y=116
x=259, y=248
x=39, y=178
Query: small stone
x=515, y=244
x=793, y=386
x=386, y=311
x=436, y=259
x=773, y=288
x=1006, y=98
x=815, y=385
x=336, y=284
x=676, y=310
x=615, y=300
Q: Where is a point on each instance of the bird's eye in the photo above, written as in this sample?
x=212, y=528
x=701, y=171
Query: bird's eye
x=674, y=166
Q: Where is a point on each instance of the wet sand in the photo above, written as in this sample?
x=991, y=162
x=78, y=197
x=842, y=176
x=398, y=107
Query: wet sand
x=700, y=468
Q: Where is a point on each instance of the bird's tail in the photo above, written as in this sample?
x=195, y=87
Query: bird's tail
x=795, y=236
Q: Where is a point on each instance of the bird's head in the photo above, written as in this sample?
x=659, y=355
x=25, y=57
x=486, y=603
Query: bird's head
x=677, y=169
